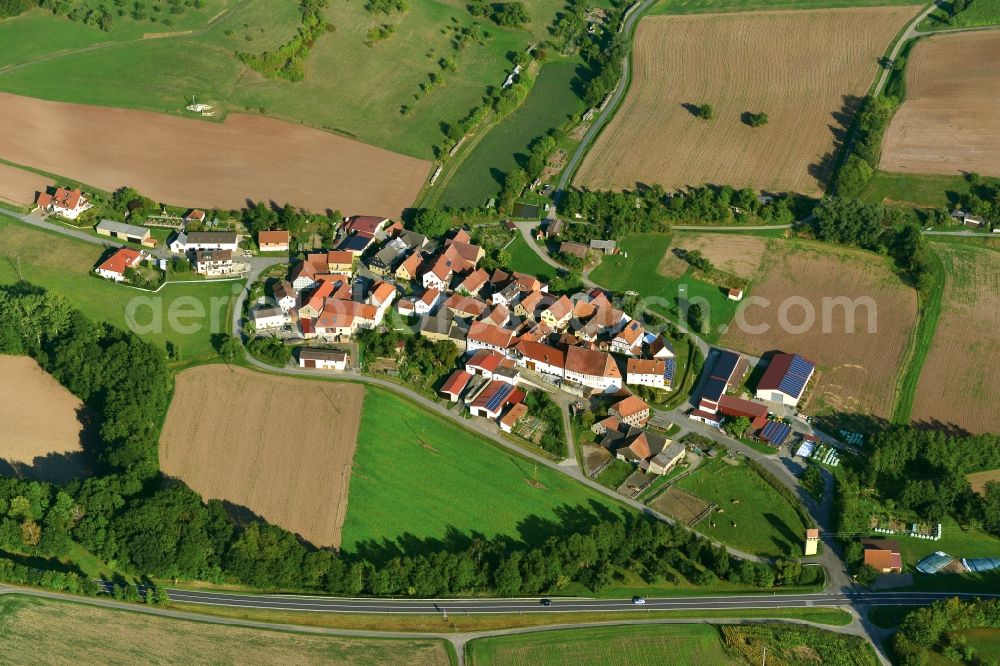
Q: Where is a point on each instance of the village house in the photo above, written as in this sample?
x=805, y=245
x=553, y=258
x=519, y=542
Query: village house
x=455, y=385
x=114, y=267
x=312, y=304
x=357, y=244
x=604, y=425
x=628, y=341
x=487, y=336
x=273, y=241
x=532, y=304
x=593, y=369
x=492, y=365
x=883, y=555
x=507, y=296
x=195, y=216
x=428, y=302
x=409, y=270
x=70, y=204
x=284, y=295
x=465, y=306
x=632, y=411
x=303, y=275
x=366, y=224
x=542, y=358
x=194, y=241
x=384, y=261
x=785, y=379
x=498, y=315
x=341, y=319
x=658, y=346
x=652, y=453
x=473, y=283
x=648, y=372
x=440, y=273
x=269, y=317
x=213, y=263
x=443, y=327
x=127, y=232
x=413, y=240
x=323, y=359
x=336, y=261
x=558, y=314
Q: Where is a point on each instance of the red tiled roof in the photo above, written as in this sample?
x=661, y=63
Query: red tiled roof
x=364, y=223
x=642, y=366
x=475, y=280
x=339, y=257
x=456, y=383
x=382, y=292
x=536, y=351
x=514, y=414
x=490, y=334
x=278, y=237
x=485, y=359
x=465, y=251
x=630, y=406
x=561, y=308
x=411, y=264
x=466, y=305
x=591, y=362
x=120, y=260
x=494, y=387
x=63, y=198
x=195, y=215
x=429, y=296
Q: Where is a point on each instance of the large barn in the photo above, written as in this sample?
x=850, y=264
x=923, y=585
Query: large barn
x=785, y=379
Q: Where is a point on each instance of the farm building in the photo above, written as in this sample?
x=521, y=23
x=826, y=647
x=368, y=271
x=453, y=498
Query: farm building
x=553, y=227
x=487, y=336
x=593, y=369
x=493, y=398
x=269, y=317
x=385, y=260
x=785, y=379
x=357, y=244
x=541, y=358
x=114, y=267
x=513, y=415
x=131, y=233
x=323, y=359
x=775, y=433
x=724, y=373
x=606, y=424
x=883, y=555
x=574, y=249
x=70, y=204
x=658, y=346
x=444, y=327
x=368, y=224
x=605, y=246
x=455, y=385
x=653, y=453
x=273, y=241
x=632, y=410
x=732, y=406
x=203, y=240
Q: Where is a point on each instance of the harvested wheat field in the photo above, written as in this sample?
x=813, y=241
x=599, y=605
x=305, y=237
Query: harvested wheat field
x=807, y=70
x=958, y=385
x=40, y=420
x=190, y=162
x=49, y=631
x=857, y=371
x=279, y=446
x=738, y=254
x=978, y=480
x=949, y=122
x=20, y=187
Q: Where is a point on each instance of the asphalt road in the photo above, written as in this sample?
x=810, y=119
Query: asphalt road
x=570, y=605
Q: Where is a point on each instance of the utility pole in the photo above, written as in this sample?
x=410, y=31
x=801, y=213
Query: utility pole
x=763, y=661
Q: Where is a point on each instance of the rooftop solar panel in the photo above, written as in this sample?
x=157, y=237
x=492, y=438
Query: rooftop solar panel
x=714, y=388
x=498, y=397
x=725, y=364
x=669, y=368
x=776, y=432
x=792, y=384
x=800, y=366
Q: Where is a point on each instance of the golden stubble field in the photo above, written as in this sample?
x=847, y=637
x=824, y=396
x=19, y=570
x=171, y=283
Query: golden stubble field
x=189, y=162
x=950, y=121
x=807, y=70
x=958, y=386
x=857, y=372
x=40, y=420
x=279, y=446
x=738, y=254
x=47, y=631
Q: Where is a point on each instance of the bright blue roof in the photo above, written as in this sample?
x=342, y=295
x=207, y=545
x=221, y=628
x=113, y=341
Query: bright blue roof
x=776, y=432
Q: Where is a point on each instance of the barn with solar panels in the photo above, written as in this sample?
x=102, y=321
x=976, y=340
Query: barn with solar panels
x=785, y=379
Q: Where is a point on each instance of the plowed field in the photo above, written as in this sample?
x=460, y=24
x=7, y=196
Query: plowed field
x=189, y=162
x=858, y=369
x=949, y=123
x=278, y=446
x=807, y=70
x=19, y=187
x=958, y=386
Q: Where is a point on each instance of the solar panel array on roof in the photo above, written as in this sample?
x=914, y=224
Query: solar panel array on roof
x=776, y=432
x=795, y=379
x=669, y=368
x=725, y=363
x=714, y=388
x=493, y=403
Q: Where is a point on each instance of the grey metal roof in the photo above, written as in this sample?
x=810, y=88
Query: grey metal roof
x=122, y=228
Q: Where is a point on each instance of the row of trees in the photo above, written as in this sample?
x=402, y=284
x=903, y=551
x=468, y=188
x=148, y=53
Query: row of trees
x=618, y=214
x=288, y=60
x=860, y=164
x=878, y=228
x=935, y=628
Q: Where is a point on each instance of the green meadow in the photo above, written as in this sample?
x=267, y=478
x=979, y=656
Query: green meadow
x=419, y=477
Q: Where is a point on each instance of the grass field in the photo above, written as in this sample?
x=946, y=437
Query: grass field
x=525, y=260
x=985, y=641
x=348, y=87
x=64, y=266
x=918, y=190
x=947, y=124
x=294, y=473
x=858, y=348
x=765, y=523
x=615, y=474
x=954, y=540
x=963, y=352
x=551, y=102
x=42, y=433
x=419, y=478
x=640, y=271
x=60, y=632
x=635, y=645
x=739, y=63
x=712, y=6
x=977, y=13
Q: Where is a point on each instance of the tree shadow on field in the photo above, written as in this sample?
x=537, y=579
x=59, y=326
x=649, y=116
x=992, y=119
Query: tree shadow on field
x=66, y=466
x=790, y=536
x=840, y=129
x=693, y=109
x=498, y=176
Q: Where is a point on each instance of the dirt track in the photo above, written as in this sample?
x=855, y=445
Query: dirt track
x=806, y=69
x=278, y=446
x=19, y=187
x=949, y=123
x=189, y=162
